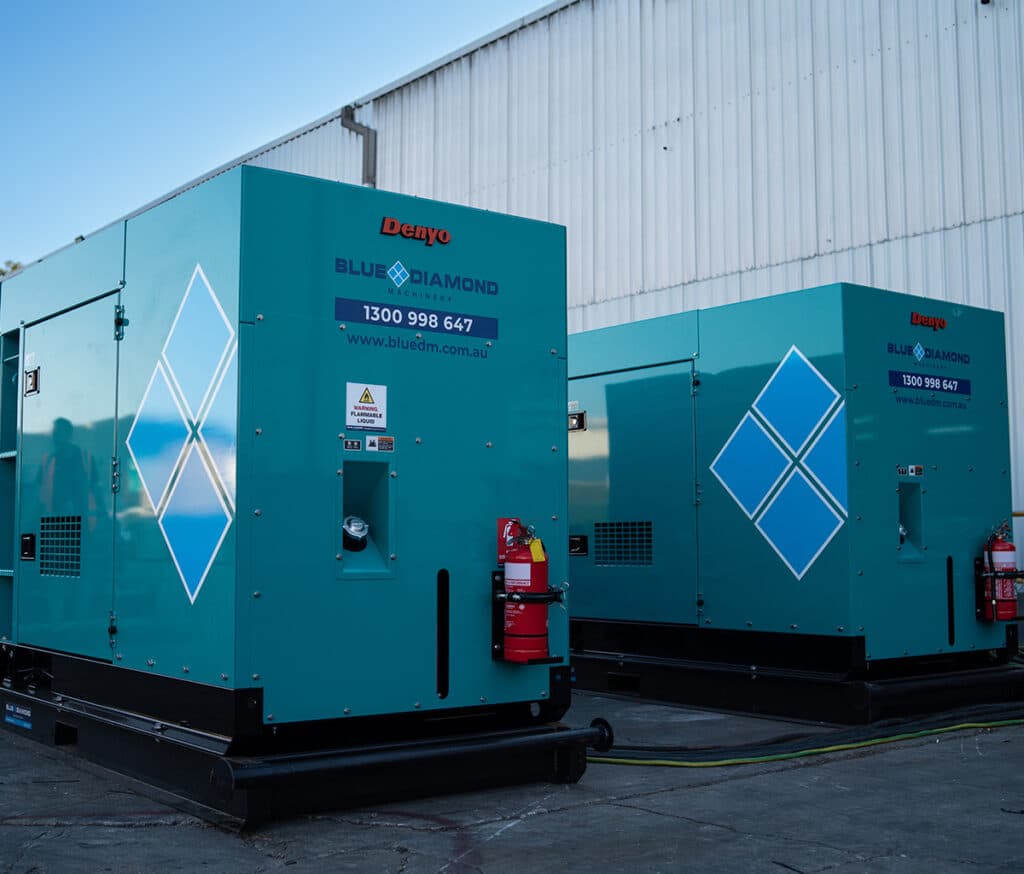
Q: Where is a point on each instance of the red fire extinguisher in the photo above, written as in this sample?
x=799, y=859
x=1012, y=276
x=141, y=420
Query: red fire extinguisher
x=1000, y=588
x=526, y=592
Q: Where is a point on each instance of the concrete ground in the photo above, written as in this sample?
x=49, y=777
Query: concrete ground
x=952, y=802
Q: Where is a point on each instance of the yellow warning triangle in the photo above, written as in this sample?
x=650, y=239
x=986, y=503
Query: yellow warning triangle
x=367, y=398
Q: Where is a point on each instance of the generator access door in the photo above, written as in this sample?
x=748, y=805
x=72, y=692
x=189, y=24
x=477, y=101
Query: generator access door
x=632, y=511
x=65, y=571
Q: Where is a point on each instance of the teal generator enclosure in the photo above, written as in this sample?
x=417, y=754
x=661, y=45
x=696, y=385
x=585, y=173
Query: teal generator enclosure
x=254, y=444
x=778, y=504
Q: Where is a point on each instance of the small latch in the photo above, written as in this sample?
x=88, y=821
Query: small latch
x=28, y=547
x=578, y=420
x=120, y=322
x=32, y=381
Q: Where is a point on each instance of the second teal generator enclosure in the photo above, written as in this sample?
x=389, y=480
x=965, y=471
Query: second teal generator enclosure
x=821, y=466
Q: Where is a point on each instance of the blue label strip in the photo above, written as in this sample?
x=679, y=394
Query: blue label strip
x=393, y=315
x=929, y=382
x=19, y=716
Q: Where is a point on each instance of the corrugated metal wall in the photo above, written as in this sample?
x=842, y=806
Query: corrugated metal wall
x=707, y=151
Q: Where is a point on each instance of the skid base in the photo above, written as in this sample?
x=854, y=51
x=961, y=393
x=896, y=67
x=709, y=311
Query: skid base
x=222, y=764
x=837, y=685
x=244, y=790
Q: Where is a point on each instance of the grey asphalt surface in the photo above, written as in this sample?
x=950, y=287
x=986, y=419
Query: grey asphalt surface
x=953, y=802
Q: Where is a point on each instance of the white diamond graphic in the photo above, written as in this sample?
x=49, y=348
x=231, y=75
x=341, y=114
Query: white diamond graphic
x=186, y=480
x=194, y=522
x=197, y=343
x=218, y=431
x=157, y=439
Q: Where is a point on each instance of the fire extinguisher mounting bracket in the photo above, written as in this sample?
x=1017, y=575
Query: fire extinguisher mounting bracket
x=987, y=607
x=551, y=596
x=498, y=599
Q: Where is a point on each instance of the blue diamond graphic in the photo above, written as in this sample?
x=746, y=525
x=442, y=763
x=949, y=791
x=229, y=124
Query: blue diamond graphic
x=398, y=274
x=798, y=524
x=750, y=464
x=219, y=429
x=826, y=459
x=918, y=351
x=157, y=437
x=194, y=522
x=795, y=400
x=197, y=343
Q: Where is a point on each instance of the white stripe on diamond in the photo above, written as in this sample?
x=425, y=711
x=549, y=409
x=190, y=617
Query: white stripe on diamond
x=805, y=466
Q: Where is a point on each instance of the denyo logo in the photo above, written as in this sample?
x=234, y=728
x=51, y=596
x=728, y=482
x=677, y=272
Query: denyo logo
x=933, y=322
x=392, y=227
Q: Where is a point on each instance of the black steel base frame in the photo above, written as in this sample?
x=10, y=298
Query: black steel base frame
x=208, y=747
x=800, y=676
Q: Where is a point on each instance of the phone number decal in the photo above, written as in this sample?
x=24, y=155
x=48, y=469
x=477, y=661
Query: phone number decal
x=927, y=382
x=394, y=315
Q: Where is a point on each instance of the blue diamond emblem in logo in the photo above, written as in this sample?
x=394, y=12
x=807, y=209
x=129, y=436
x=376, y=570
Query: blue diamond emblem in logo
x=197, y=343
x=194, y=522
x=918, y=351
x=157, y=437
x=795, y=400
x=398, y=274
x=798, y=524
x=750, y=464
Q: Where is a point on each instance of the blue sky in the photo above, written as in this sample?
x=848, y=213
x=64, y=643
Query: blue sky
x=108, y=105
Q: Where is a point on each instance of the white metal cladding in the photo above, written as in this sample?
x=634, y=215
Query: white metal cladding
x=707, y=151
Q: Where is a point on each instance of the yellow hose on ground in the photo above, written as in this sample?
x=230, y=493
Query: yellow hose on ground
x=817, y=751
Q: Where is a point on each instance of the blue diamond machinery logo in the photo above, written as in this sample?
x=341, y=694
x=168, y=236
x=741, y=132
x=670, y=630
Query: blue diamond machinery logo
x=785, y=463
x=918, y=351
x=183, y=438
x=398, y=274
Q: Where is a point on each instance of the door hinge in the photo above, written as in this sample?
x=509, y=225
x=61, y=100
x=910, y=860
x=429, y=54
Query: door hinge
x=112, y=628
x=115, y=474
x=120, y=322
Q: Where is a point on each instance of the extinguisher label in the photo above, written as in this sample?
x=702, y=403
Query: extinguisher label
x=517, y=575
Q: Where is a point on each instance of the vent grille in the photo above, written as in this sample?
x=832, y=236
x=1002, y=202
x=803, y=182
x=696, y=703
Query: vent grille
x=60, y=546
x=623, y=543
